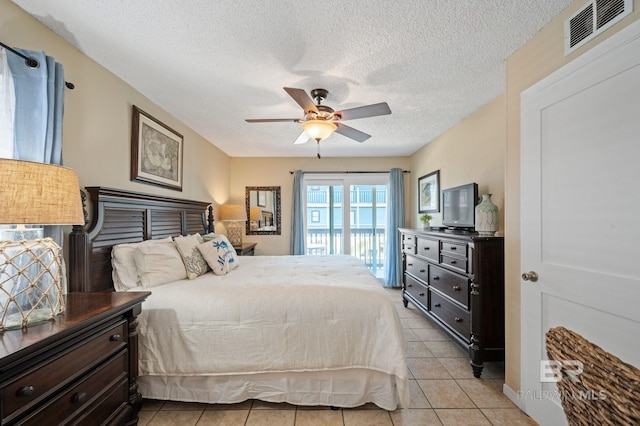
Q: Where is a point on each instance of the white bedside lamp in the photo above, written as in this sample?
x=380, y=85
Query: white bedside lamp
x=32, y=271
x=255, y=216
x=234, y=214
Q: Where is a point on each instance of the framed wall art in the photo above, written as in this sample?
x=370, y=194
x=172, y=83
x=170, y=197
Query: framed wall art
x=156, y=152
x=429, y=193
x=262, y=199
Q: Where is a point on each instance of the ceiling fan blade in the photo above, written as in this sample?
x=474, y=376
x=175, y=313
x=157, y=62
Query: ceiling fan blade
x=303, y=138
x=272, y=120
x=301, y=97
x=352, y=133
x=365, y=111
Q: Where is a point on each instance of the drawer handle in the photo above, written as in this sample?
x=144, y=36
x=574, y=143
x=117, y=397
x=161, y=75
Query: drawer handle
x=453, y=262
x=420, y=294
x=456, y=288
x=422, y=270
x=453, y=248
x=26, y=391
x=436, y=278
x=409, y=264
x=426, y=248
x=457, y=319
x=115, y=338
x=437, y=305
x=409, y=285
x=80, y=397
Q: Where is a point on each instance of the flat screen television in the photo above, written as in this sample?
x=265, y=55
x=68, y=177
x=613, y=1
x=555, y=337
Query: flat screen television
x=458, y=207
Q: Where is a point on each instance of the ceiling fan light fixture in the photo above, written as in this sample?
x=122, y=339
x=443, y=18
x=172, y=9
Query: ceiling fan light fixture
x=318, y=129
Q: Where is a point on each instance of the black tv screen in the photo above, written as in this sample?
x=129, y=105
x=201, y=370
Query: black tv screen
x=458, y=206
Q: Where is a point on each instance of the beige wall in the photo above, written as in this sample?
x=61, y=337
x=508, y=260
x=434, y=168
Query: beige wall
x=97, y=119
x=275, y=172
x=471, y=151
x=538, y=58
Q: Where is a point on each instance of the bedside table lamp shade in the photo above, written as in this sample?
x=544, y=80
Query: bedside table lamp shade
x=234, y=214
x=255, y=216
x=31, y=271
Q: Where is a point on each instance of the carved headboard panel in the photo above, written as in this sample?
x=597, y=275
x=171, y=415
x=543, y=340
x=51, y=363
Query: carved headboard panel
x=120, y=216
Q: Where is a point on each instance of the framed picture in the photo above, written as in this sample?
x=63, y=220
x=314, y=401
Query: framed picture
x=156, y=152
x=262, y=199
x=429, y=193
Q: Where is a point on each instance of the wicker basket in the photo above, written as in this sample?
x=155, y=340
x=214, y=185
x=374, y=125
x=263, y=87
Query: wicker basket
x=606, y=392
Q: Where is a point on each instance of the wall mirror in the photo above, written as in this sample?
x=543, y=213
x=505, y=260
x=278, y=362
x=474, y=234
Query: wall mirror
x=263, y=210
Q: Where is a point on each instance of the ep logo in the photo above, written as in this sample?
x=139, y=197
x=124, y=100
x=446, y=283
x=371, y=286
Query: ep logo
x=552, y=371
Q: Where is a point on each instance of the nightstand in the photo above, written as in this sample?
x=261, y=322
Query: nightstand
x=80, y=368
x=246, y=249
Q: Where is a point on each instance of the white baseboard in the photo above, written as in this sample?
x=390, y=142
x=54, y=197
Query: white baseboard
x=513, y=396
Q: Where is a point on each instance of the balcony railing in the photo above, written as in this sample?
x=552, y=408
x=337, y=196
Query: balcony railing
x=356, y=197
x=365, y=245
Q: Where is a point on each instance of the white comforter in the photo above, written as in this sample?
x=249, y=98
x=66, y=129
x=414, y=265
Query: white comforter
x=274, y=314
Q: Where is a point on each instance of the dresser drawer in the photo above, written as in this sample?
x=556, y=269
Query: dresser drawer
x=408, y=244
x=453, y=285
x=428, y=248
x=418, y=268
x=457, y=263
x=454, y=248
x=30, y=388
x=416, y=289
x=88, y=394
x=451, y=314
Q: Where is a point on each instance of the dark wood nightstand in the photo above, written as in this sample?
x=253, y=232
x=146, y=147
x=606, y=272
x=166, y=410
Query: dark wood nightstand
x=246, y=249
x=80, y=368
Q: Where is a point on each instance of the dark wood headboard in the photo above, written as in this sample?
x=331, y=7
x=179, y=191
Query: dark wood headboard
x=120, y=216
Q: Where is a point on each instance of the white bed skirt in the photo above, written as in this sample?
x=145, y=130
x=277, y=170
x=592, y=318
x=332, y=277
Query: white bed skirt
x=346, y=388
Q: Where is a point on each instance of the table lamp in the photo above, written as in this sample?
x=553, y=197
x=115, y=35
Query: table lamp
x=255, y=216
x=234, y=214
x=32, y=272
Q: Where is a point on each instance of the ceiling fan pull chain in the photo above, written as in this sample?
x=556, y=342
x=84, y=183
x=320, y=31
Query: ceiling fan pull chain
x=318, y=145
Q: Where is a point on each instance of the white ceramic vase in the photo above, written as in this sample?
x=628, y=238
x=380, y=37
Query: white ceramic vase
x=486, y=216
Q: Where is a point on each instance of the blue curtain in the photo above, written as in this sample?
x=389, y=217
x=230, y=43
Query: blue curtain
x=395, y=220
x=39, y=100
x=297, y=243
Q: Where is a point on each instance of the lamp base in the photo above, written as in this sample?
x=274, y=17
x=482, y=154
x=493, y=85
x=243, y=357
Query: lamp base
x=234, y=233
x=31, y=277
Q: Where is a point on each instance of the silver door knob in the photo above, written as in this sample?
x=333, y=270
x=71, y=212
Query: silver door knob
x=530, y=276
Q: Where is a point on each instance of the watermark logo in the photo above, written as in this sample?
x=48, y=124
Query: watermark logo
x=552, y=371
x=555, y=371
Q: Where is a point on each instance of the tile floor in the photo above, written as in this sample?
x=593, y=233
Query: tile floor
x=443, y=392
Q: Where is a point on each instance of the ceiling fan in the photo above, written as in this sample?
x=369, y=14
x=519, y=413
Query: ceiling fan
x=320, y=121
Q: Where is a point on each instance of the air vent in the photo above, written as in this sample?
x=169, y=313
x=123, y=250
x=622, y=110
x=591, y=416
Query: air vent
x=594, y=18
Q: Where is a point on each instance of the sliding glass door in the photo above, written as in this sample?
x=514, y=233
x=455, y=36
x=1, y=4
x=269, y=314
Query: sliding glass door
x=354, y=223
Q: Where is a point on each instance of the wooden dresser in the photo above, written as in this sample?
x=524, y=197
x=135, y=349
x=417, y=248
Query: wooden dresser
x=79, y=369
x=457, y=280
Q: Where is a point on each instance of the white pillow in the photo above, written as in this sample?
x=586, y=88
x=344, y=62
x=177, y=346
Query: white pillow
x=125, y=273
x=159, y=264
x=208, y=237
x=191, y=256
x=219, y=254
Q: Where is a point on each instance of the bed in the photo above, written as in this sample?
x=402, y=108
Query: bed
x=307, y=330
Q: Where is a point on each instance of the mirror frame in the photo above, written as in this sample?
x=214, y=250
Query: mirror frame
x=277, y=213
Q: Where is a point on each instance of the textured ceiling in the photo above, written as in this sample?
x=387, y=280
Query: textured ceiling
x=212, y=64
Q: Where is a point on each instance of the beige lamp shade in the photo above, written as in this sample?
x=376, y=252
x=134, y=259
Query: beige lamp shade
x=39, y=194
x=318, y=129
x=233, y=213
x=255, y=213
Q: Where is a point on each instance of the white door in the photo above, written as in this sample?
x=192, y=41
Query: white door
x=580, y=211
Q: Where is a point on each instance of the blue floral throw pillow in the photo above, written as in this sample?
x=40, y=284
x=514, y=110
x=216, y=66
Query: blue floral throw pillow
x=219, y=254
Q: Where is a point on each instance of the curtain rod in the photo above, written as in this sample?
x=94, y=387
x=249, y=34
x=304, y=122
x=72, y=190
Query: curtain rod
x=32, y=63
x=347, y=172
